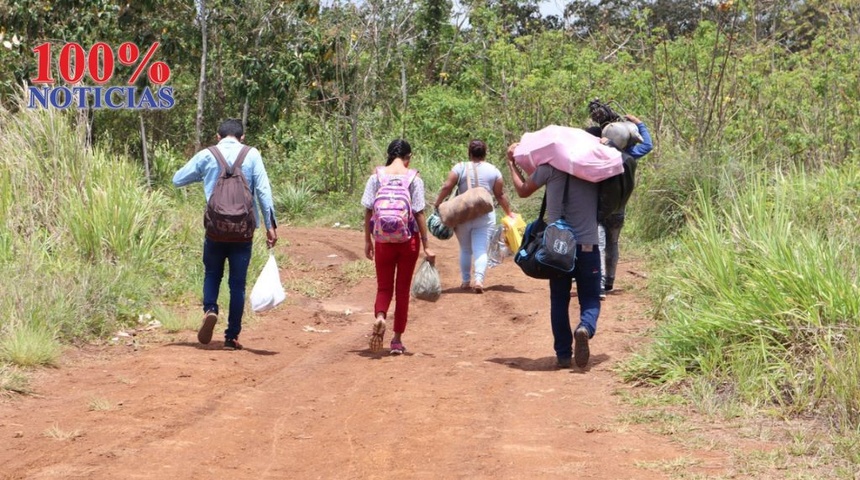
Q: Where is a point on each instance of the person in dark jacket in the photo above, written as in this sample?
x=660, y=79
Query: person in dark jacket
x=610, y=229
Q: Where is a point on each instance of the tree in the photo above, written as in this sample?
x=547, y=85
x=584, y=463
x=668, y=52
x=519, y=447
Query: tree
x=432, y=18
x=677, y=17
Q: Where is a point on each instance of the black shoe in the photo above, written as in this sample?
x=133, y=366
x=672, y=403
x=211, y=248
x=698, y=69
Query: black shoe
x=608, y=287
x=232, y=344
x=563, y=362
x=204, y=335
x=580, y=349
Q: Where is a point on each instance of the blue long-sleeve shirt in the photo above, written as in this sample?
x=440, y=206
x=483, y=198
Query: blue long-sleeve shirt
x=641, y=149
x=203, y=167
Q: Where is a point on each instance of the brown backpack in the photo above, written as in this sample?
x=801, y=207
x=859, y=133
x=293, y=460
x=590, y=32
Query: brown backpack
x=229, y=215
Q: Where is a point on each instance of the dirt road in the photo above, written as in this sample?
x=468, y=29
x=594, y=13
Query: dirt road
x=477, y=395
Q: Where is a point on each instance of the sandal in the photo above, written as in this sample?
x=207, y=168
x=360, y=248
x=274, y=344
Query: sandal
x=377, y=335
x=397, y=348
x=465, y=286
x=479, y=288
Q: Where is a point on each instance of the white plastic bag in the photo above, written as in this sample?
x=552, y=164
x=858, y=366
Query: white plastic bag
x=497, y=249
x=268, y=291
x=426, y=285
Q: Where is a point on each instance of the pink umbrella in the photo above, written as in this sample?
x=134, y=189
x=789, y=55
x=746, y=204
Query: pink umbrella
x=569, y=149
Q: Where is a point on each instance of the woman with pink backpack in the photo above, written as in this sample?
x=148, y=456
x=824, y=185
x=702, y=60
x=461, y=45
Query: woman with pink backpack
x=393, y=225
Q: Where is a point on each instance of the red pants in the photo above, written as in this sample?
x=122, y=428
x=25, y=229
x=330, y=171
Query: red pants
x=395, y=259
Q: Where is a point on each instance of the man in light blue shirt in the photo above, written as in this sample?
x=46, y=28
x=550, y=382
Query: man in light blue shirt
x=203, y=167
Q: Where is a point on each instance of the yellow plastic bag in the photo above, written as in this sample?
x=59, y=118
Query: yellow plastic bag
x=514, y=229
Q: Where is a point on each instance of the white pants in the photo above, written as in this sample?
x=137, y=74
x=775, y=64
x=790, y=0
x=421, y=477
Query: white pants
x=474, y=239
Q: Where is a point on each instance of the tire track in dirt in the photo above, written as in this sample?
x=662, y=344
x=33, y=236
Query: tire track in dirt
x=477, y=395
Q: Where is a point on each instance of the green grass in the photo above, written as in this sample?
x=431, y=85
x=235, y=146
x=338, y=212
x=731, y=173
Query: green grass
x=85, y=246
x=12, y=380
x=30, y=345
x=758, y=301
x=177, y=321
x=355, y=271
x=294, y=201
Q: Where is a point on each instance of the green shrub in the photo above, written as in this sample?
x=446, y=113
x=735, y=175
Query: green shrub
x=29, y=345
x=757, y=294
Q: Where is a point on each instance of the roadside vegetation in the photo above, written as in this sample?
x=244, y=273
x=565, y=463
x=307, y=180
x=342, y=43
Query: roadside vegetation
x=747, y=209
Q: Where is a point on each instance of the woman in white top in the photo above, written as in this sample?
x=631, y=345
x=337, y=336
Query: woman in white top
x=474, y=235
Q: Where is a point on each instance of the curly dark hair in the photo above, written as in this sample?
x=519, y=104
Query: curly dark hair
x=477, y=149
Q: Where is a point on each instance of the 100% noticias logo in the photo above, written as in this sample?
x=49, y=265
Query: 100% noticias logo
x=99, y=64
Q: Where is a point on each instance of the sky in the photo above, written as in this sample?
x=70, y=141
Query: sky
x=552, y=7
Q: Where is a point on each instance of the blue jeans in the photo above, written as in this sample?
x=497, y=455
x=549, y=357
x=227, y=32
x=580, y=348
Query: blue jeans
x=239, y=256
x=587, y=274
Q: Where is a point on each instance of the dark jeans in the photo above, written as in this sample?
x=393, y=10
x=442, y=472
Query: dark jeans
x=612, y=226
x=239, y=256
x=587, y=274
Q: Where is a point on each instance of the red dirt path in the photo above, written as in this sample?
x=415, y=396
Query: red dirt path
x=477, y=396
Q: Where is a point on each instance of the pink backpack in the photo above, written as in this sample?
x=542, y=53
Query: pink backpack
x=392, y=218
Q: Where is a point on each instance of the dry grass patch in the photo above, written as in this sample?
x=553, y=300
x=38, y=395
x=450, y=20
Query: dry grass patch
x=58, y=433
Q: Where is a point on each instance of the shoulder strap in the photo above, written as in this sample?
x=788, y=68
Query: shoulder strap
x=542, y=206
x=229, y=169
x=220, y=159
x=471, y=166
x=564, y=196
x=241, y=158
x=410, y=176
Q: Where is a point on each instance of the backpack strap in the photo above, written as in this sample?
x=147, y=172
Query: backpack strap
x=229, y=169
x=220, y=159
x=410, y=176
x=564, y=196
x=380, y=175
x=241, y=158
x=542, y=207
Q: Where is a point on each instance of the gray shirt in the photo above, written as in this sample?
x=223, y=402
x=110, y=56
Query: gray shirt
x=486, y=173
x=581, y=211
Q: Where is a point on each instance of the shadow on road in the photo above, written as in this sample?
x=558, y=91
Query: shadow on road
x=488, y=288
x=220, y=346
x=366, y=353
x=546, y=364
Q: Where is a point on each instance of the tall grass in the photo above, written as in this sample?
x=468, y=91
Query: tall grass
x=84, y=245
x=294, y=200
x=761, y=293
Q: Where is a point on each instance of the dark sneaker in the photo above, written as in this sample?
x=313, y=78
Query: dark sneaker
x=563, y=362
x=608, y=287
x=232, y=344
x=580, y=349
x=602, y=294
x=204, y=335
